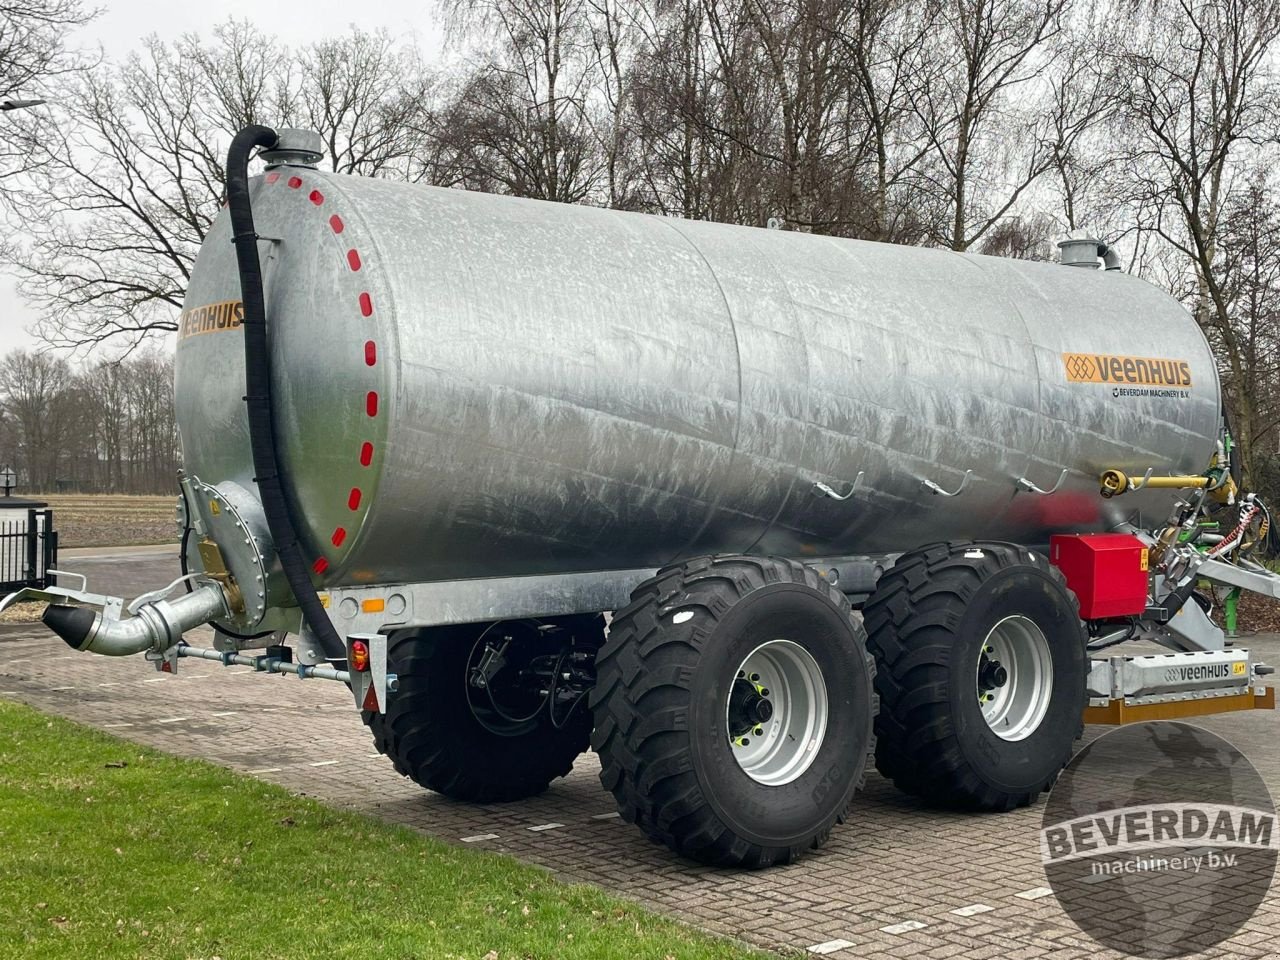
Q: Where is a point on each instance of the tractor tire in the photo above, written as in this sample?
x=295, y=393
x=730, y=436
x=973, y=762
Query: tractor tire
x=433, y=735
x=688, y=748
x=958, y=725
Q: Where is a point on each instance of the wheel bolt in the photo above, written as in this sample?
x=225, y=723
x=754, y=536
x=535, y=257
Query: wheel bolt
x=741, y=674
x=758, y=731
x=746, y=741
x=755, y=677
x=764, y=692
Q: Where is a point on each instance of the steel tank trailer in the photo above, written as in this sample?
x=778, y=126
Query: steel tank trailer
x=440, y=434
x=476, y=386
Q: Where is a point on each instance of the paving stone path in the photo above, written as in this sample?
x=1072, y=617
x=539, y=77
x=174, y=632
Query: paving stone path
x=898, y=880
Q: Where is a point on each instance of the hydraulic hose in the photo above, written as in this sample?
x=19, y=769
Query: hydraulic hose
x=257, y=375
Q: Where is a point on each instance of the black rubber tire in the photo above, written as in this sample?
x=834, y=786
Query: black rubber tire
x=432, y=736
x=926, y=622
x=660, y=701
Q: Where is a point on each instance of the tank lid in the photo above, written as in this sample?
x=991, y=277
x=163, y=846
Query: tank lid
x=1079, y=252
x=295, y=148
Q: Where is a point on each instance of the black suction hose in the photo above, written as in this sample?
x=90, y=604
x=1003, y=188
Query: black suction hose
x=257, y=375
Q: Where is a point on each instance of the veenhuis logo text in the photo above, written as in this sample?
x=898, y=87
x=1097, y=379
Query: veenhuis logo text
x=210, y=318
x=1118, y=369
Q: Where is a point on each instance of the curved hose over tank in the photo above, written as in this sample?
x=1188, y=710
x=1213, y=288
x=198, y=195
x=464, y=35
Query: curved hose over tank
x=257, y=373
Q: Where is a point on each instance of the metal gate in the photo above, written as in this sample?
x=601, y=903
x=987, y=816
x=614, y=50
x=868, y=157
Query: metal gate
x=28, y=550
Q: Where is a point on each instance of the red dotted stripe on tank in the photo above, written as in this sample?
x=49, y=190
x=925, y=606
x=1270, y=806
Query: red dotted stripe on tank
x=364, y=303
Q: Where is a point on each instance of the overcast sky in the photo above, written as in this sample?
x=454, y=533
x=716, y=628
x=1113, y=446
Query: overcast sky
x=123, y=23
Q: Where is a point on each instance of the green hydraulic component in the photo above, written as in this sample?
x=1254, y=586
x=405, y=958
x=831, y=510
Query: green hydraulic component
x=1229, y=610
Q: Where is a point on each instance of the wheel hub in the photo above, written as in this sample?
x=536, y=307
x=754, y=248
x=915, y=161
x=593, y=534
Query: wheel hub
x=748, y=708
x=991, y=674
x=1014, y=678
x=776, y=712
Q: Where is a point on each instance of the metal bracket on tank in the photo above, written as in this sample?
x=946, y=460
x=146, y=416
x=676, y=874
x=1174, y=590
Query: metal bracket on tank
x=826, y=491
x=1025, y=484
x=964, y=484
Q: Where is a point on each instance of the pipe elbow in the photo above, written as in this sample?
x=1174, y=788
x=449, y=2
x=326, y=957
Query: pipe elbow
x=1110, y=258
x=156, y=626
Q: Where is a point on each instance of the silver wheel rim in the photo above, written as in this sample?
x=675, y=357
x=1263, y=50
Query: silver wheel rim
x=778, y=749
x=1015, y=708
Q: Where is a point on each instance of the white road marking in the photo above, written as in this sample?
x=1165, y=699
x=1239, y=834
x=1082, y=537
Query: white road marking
x=112, y=683
x=266, y=770
x=173, y=720
x=605, y=816
x=906, y=926
x=831, y=946
x=324, y=763
x=480, y=836
x=108, y=726
x=544, y=826
x=156, y=680
x=1035, y=893
x=18, y=660
x=372, y=756
x=56, y=689
x=225, y=713
x=972, y=910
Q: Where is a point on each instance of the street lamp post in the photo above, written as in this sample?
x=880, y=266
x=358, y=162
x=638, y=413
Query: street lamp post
x=7, y=478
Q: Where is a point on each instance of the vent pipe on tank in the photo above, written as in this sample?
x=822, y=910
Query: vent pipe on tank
x=1086, y=251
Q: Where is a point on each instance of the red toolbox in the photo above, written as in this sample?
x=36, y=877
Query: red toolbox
x=1107, y=572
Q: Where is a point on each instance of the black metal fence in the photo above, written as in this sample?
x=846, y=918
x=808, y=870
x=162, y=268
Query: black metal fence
x=28, y=550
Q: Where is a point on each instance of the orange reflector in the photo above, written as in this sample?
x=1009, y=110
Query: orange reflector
x=376, y=605
x=359, y=656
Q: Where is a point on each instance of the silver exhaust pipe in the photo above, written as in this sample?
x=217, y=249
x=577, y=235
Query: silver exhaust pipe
x=155, y=625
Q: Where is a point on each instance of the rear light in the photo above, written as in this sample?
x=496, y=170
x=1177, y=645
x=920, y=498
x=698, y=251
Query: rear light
x=359, y=656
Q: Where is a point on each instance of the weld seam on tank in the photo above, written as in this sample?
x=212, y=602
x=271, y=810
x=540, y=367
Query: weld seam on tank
x=714, y=506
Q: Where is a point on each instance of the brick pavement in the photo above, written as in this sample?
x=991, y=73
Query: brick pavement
x=887, y=885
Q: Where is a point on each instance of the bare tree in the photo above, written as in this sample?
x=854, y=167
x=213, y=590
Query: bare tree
x=520, y=123
x=1082, y=98
x=886, y=43
x=32, y=40
x=32, y=51
x=1199, y=100
x=367, y=95
x=1022, y=238
x=987, y=148
x=128, y=174
x=677, y=114
x=35, y=400
x=1249, y=264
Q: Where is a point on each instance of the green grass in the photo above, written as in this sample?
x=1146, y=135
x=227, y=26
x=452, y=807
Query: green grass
x=108, y=849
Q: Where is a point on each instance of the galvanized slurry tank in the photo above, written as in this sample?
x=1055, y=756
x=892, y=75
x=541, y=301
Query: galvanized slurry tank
x=478, y=386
